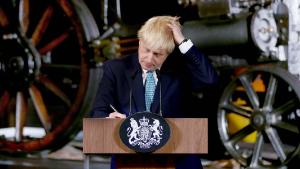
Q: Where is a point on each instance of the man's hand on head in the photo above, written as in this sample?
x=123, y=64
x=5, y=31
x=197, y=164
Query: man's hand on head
x=176, y=30
x=114, y=115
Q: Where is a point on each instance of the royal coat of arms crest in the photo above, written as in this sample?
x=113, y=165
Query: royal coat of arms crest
x=144, y=132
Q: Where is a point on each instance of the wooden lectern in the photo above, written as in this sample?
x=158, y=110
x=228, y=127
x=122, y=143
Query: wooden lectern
x=101, y=136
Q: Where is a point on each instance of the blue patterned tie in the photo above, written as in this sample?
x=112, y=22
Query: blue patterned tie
x=149, y=89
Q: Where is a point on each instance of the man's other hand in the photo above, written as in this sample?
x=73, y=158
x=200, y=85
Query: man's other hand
x=116, y=115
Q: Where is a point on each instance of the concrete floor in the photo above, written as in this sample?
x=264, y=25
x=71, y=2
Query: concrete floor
x=96, y=162
x=38, y=163
x=46, y=163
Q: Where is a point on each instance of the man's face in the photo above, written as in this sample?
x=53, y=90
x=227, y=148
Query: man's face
x=151, y=59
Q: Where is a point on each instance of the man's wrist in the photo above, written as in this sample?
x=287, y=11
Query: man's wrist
x=185, y=46
x=183, y=41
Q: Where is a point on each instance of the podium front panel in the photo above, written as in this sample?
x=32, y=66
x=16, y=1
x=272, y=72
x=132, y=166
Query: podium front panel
x=188, y=136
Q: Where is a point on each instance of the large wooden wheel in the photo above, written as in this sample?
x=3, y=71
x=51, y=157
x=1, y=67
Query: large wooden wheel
x=47, y=78
x=265, y=99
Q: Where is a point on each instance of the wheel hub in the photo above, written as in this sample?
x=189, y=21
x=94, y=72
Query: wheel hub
x=16, y=64
x=261, y=119
x=258, y=120
x=19, y=63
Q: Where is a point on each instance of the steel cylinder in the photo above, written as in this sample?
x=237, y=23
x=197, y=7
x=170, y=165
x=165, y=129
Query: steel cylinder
x=220, y=36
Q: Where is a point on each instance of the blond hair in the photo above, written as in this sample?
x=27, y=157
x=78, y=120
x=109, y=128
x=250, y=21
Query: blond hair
x=156, y=34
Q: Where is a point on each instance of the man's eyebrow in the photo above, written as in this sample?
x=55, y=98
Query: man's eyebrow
x=158, y=53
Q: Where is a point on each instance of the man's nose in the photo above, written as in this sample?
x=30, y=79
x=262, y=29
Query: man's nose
x=150, y=57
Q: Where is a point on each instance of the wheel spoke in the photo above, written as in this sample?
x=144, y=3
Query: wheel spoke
x=233, y=108
x=257, y=150
x=287, y=126
x=241, y=134
x=40, y=107
x=250, y=91
x=24, y=14
x=4, y=22
x=42, y=26
x=21, y=112
x=270, y=95
x=55, y=89
x=276, y=143
x=286, y=107
x=4, y=101
x=54, y=43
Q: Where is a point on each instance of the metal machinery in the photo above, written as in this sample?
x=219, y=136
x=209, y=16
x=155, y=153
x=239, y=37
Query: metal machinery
x=258, y=112
x=47, y=72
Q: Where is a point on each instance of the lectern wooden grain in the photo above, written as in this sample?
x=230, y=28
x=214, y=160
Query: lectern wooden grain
x=101, y=136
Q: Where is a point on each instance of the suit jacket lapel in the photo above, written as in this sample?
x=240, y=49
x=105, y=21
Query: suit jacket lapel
x=138, y=93
x=164, y=82
x=135, y=80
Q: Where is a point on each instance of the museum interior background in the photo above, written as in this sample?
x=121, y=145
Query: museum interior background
x=51, y=58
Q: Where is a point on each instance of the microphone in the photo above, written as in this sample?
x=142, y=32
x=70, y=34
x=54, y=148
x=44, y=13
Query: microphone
x=130, y=93
x=157, y=71
x=130, y=100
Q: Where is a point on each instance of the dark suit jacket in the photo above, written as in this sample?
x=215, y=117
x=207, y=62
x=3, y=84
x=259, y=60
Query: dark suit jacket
x=180, y=75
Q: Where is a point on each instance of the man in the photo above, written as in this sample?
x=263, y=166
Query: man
x=175, y=74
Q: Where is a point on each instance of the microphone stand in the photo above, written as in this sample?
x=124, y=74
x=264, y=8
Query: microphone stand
x=160, y=98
